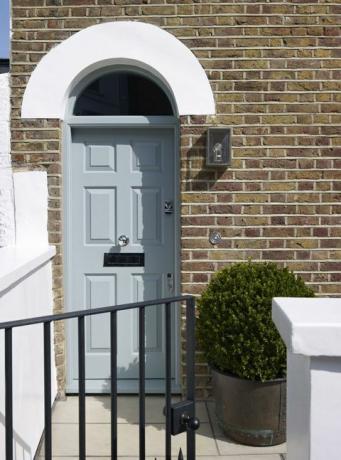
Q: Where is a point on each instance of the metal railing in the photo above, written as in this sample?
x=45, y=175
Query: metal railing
x=179, y=417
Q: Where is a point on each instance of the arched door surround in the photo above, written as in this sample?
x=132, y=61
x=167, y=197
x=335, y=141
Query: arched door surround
x=143, y=46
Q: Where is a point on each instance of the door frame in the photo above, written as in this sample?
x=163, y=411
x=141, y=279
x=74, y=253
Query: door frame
x=138, y=122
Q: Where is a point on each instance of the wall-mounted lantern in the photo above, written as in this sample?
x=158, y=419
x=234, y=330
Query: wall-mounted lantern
x=218, y=149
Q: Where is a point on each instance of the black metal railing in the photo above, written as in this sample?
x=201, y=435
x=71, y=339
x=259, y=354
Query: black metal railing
x=179, y=417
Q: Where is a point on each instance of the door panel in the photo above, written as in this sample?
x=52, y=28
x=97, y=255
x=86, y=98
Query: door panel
x=100, y=290
x=100, y=215
x=119, y=180
x=146, y=156
x=146, y=218
x=149, y=287
x=100, y=158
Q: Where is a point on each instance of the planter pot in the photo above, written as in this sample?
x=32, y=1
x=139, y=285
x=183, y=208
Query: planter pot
x=250, y=412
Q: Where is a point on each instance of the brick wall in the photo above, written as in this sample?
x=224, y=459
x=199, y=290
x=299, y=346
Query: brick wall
x=275, y=69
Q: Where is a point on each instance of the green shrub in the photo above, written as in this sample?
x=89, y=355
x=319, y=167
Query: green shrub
x=235, y=329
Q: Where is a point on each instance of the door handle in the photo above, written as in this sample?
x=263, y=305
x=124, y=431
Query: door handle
x=123, y=240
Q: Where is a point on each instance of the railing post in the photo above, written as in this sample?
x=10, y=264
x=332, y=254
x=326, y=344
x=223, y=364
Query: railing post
x=142, y=389
x=168, y=379
x=9, y=393
x=81, y=383
x=47, y=390
x=113, y=356
x=190, y=369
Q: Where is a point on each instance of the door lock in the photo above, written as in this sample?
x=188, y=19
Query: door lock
x=170, y=281
x=123, y=240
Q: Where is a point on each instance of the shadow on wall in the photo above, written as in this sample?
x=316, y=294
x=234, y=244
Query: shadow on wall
x=198, y=176
x=21, y=448
x=204, y=212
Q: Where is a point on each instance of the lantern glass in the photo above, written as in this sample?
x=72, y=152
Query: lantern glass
x=218, y=149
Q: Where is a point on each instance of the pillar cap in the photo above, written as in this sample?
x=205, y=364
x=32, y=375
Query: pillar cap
x=310, y=327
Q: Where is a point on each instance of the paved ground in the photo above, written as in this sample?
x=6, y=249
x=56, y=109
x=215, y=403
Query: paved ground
x=211, y=443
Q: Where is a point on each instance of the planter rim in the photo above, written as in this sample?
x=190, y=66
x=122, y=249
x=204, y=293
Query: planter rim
x=230, y=374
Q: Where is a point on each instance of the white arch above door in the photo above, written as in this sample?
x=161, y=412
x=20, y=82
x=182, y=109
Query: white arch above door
x=125, y=43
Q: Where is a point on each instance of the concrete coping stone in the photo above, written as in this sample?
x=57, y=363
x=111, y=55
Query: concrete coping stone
x=18, y=262
x=309, y=326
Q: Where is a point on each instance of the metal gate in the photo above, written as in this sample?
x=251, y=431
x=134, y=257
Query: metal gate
x=179, y=417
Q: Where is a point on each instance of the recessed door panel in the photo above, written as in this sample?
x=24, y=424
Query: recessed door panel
x=100, y=215
x=100, y=291
x=146, y=217
x=147, y=287
x=118, y=182
x=100, y=158
x=147, y=156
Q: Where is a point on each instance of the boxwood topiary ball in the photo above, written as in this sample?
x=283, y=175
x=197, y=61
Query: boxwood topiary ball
x=235, y=329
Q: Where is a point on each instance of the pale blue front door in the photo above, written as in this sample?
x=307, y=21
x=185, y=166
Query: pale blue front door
x=120, y=182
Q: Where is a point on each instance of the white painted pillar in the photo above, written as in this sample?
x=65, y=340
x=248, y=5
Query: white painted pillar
x=7, y=227
x=30, y=197
x=311, y=330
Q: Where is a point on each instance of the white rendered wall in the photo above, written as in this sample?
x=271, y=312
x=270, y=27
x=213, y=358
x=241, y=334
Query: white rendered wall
x=7, y=227
x=26, y=291
x=311, y=330
x=298, y=414
x=325, y=408
x=30, y=196
x=30, y=295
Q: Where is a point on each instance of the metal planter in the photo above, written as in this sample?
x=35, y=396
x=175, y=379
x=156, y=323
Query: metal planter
x=250, y=412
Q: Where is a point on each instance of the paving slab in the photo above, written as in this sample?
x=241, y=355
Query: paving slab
x=65, y=440
x=98, y=409
x=199, y=457
x=211, y=441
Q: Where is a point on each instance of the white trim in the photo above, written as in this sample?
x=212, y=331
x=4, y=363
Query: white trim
x=122, y=121
x=141, y=45
x=16, y=263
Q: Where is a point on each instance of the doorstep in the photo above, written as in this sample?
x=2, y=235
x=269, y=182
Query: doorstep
x=211, y=442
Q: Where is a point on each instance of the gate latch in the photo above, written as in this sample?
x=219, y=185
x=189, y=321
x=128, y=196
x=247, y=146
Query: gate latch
x=182, y=417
